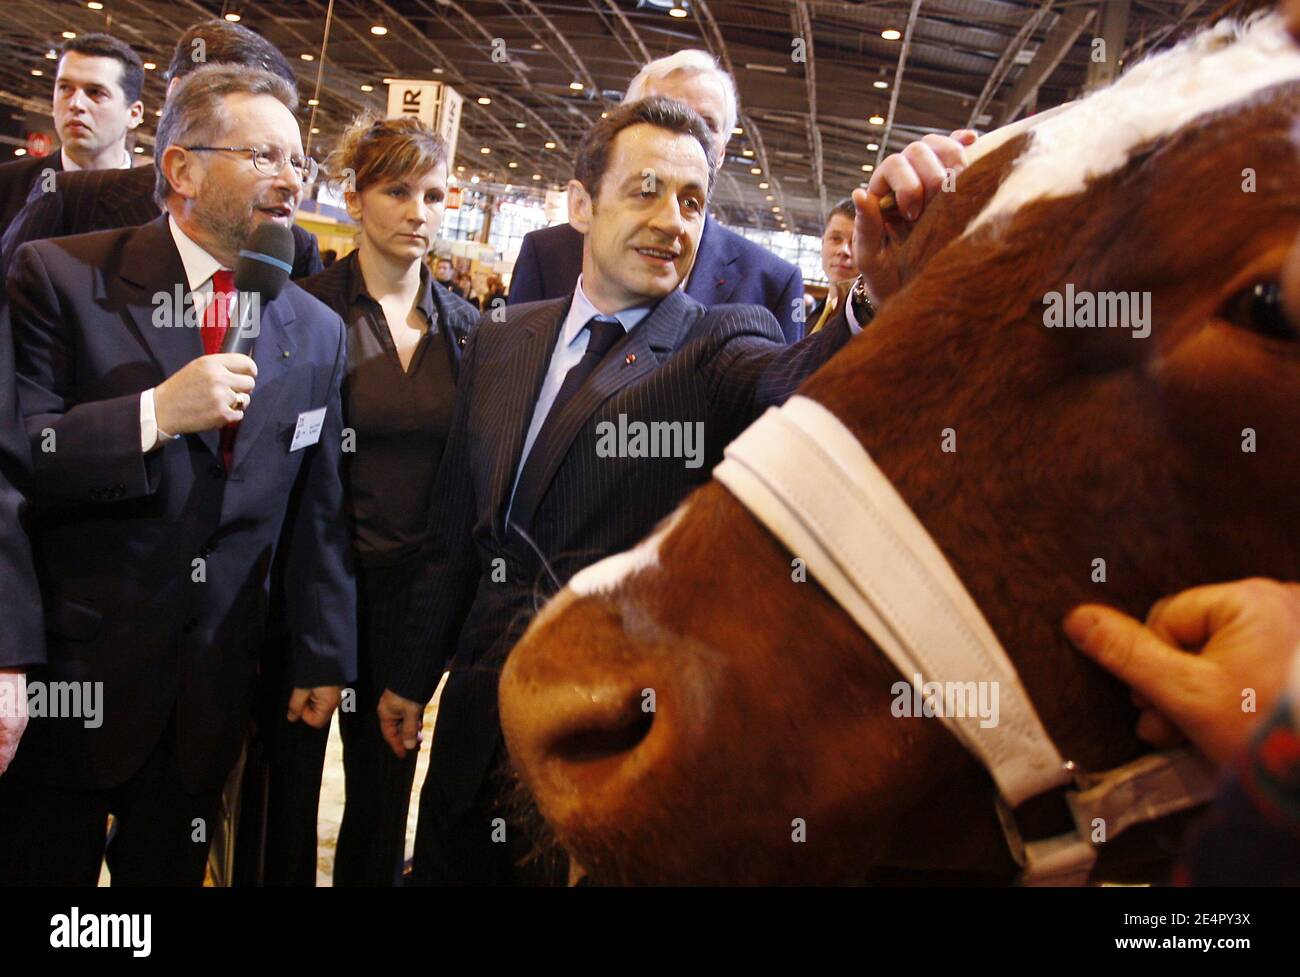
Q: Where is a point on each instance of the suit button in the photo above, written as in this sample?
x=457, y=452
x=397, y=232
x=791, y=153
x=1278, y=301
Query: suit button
x=205, y=550
x=217, y=471
x=462, y=340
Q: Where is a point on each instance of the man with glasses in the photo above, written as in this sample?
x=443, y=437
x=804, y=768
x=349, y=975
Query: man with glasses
x=163, y=474
x=97, y=201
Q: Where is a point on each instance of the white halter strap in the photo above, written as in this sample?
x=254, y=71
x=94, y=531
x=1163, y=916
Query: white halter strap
x=808, y=479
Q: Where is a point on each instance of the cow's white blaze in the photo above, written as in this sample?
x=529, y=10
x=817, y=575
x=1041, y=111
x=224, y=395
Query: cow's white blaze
x=1097, y=134
x=604, y=576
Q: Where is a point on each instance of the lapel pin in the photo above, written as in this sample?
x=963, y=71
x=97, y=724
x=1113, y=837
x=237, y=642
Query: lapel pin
x=631, y=358
x=284, y=353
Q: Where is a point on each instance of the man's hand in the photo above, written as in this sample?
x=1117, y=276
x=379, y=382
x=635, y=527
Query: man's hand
x=314, y=706
x=399, y=721
x=913, y=176
x=205, y=394
x=13, y=721
x=1200, y=660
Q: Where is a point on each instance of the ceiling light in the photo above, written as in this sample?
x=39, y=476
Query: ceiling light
x=484, y=100
x=880, y=84
x=233, y=18
x=890, y=34
x=512, y=164
x=486, y=150
x=95, y=5
x=747, y=152
x=69, y=35
x=52, y=55
x=379, y=30
x=149, y=66
x=307, y=57
x=139, y=149
x=872, y=146
x=763, y=186
x=474, y=178
x=576, y=86
x=867, y=167
x=537, y=176
x=604, y=115
x=20, y=151
x=677, y=12
x=313, y=101
x=756, y=171
x=520, y=125
x=367, y=88
x=314, y=130
x=37, y=72
x=737, y=131
x=550, y=145
x=877, y=120
x=535, y=46
x=769, y=197
x=776, y=210
x=460, y=169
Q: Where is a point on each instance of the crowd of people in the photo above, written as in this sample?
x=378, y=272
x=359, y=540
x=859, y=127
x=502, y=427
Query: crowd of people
x=363, y=508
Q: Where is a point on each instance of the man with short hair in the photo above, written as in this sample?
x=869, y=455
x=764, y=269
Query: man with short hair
x=96, y=105
x=444, y=273
x=163, y=473
x=837, y=261
x=530, y=489
x=80, y=203
x=728, y=267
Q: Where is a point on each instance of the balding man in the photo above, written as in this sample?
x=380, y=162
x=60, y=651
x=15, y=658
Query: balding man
x=728, y=269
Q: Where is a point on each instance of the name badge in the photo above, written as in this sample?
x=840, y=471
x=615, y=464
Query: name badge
x=307, y=431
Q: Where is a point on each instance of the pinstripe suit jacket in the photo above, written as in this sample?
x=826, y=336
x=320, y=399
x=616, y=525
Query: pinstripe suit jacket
x=719, y=367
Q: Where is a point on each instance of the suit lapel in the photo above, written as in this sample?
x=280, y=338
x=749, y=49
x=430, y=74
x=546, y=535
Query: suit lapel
x=273, y=353
x=513, y=391
x=633, y=357
x=713, y=280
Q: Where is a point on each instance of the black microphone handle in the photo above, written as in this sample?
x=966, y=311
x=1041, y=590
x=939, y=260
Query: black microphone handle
x=240, y=339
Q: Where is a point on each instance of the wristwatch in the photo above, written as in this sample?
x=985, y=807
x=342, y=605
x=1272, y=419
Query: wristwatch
x=863, y=310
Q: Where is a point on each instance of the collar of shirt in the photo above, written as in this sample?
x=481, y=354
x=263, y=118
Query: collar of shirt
x=199, y=265
x=356, y=289
x=70, y=165
x=581, y=311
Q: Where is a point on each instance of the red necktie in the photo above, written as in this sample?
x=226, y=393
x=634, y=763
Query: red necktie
x=216, y=319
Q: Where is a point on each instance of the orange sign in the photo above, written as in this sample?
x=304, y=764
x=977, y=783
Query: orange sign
x=39, y=143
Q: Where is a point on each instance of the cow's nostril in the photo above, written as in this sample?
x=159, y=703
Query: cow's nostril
x=600, y=743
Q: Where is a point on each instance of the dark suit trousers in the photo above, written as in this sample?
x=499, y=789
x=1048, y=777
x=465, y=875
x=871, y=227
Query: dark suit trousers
x=487, y=841
x=57, y=835
x=286, y=762
x=372, y=838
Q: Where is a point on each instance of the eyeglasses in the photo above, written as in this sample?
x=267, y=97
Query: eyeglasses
x=268, y=161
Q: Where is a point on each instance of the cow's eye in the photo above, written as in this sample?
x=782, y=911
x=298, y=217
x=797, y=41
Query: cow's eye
x=1258, y=307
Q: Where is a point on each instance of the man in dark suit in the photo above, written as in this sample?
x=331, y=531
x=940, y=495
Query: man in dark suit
x=530, y=489
x=96, y=105
x=163, y=474
x=728, y=268
x=22, y=644
x=100, y=200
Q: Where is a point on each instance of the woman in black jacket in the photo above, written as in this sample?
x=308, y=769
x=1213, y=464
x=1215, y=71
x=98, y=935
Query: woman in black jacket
x=405, y=337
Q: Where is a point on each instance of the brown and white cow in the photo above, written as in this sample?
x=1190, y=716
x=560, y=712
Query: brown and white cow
x=1173, y=458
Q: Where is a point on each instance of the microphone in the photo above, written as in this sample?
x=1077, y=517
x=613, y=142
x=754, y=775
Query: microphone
x=260, y=273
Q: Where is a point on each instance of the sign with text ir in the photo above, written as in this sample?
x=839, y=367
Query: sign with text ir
x=434, y=103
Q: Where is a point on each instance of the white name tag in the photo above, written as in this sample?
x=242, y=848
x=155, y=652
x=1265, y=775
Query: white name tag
x=307, y=431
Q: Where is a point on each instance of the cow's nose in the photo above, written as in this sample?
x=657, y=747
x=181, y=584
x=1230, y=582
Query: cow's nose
x=578, y=708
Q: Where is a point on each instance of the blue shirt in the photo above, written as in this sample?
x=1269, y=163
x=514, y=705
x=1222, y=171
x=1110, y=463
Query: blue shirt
x=569, y=347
